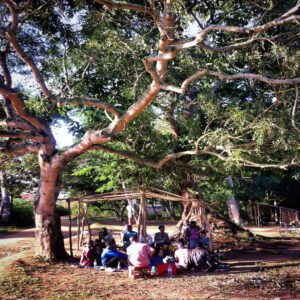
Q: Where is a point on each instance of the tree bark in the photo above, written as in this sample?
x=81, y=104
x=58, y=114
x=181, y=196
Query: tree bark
x=5, y=202
x=48, y=234
x=232, y=208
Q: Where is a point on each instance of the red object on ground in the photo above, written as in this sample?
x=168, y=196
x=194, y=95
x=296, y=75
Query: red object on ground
x=162, y=269
x=139, y=272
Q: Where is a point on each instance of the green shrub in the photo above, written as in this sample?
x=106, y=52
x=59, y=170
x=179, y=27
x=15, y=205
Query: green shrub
x=22, y=213
x=62, y=211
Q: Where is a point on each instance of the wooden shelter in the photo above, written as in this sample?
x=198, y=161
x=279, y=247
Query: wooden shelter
x=276, y=214
x=135, y=193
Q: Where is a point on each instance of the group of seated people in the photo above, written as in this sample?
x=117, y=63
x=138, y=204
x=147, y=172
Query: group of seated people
x=138, y=253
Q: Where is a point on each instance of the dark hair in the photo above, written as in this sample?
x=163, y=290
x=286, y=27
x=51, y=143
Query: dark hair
x=181, y=242
x=193, y=222
x=161, y=226
x=110, y=245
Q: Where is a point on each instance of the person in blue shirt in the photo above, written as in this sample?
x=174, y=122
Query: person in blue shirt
x=129, y=233
x=111, y=257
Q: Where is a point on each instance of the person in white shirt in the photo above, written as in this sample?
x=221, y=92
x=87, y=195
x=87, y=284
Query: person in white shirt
x=182, y=255
x=149, y=240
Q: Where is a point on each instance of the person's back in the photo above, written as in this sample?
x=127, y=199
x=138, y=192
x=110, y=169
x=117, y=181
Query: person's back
x=198, y=259
x=182, y=255
x=139, y=254
x=111, y=257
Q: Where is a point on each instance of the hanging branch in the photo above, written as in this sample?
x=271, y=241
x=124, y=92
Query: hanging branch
x=294, y=109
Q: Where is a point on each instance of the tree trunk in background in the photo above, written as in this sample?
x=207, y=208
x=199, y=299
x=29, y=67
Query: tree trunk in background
x=5, y=200
x=131, y=203
x=48, y=234
x=232, y=208
x=169, y=211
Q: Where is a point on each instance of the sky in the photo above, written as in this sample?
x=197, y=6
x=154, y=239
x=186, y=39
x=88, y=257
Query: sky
x=62, y=136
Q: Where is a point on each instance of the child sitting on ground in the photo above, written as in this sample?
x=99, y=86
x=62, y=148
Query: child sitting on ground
x=87, y=256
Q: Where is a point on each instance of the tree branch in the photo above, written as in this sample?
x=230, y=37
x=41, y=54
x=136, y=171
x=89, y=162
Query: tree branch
x=182, y=89
x=119, y=5
x=20, y=107
x=20, y=135
x=97, y=103
x=288, y=17
x=294, y=109
x=14, y=149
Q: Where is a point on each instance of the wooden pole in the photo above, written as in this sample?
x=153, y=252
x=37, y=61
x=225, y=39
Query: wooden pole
x=140, y=220
x=70, y=228
x=86, y=206
x=258, y=215
x=144, y=220
x=78, y=226
x=82, y=229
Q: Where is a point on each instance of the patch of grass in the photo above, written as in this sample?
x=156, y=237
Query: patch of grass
x=19, y=281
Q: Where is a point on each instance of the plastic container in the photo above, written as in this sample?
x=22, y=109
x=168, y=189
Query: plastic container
x=170, y=271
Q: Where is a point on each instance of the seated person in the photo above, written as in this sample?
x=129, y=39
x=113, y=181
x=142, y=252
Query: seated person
x=149, y=240
x=126, y=238
x=87, y=256
x=192, y=235
x=161, y=238
x=111, y=257
x=198, y=259
x=139, y=253
x=104, y=237
x=182, y=255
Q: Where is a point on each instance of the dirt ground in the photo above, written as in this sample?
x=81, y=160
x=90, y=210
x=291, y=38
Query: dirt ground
x=268, y=270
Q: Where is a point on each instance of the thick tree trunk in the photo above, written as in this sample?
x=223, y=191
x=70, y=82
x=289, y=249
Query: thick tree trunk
x=48, y=234
x=192, y=211
x=5, y=202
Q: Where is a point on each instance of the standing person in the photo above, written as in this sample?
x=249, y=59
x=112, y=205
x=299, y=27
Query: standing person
x=87, y=256
x=182, y=255
x=127, y=235
x=111, y=257
x=139, y=253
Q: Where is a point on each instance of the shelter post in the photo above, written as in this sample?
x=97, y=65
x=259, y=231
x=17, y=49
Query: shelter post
x=70, y=228
x=143, y=214
x=78, y=225
x=139, y=220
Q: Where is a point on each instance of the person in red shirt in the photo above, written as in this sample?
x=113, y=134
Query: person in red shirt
x=87, y=256
x=139, y=253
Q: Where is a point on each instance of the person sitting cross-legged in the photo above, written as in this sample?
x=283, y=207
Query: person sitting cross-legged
x=111, y=257
x=161, y=238
x=139, y=253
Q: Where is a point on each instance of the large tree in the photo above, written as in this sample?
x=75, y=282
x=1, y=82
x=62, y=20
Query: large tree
x=120, y=57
